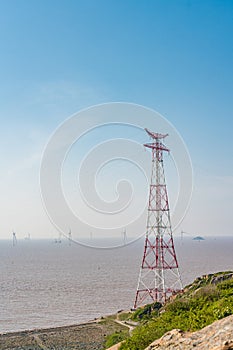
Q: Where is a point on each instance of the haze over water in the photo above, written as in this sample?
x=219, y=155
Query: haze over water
x=44, y=284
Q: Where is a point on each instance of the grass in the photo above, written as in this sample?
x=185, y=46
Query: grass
x=200, y=305
x=115, y=338
x=123, y=316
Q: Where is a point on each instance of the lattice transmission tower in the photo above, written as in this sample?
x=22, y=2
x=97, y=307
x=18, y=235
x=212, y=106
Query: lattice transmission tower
x=159, y=276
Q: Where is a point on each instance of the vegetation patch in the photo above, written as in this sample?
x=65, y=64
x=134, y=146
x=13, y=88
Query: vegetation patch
x=115, y=338
x=201, y=304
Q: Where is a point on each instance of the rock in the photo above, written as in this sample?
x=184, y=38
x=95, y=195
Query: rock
x=221, y=278
x=217, y=336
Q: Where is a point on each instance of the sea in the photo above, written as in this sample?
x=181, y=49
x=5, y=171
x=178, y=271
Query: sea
x=46, y=284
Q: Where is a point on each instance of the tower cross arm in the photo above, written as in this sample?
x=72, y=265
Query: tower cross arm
x=158, y=146
x=155, y=135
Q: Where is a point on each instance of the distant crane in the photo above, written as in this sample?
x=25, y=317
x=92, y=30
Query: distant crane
x=14, y=239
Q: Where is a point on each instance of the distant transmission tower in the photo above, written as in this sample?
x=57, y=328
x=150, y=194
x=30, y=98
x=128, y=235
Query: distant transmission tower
x=159, y=275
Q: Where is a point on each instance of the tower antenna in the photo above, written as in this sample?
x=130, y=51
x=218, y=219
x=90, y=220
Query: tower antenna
x=159, y=275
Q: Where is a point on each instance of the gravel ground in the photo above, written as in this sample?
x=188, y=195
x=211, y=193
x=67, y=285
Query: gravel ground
x=88, y=336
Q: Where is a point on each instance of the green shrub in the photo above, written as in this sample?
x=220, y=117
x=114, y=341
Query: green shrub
x=207, y=293
x=146, y=312
x=178, y=306
x=115, y=338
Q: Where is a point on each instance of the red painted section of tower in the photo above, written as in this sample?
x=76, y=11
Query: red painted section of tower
x=159, y=275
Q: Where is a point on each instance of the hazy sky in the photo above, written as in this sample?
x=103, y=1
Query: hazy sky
x=58, y=57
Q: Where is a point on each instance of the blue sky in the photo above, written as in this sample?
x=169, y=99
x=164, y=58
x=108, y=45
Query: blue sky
x=60, y=56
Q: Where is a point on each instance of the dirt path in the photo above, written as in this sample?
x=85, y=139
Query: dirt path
x=130, y=325
x=125, y=324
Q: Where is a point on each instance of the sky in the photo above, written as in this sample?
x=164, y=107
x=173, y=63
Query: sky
x=59, y=57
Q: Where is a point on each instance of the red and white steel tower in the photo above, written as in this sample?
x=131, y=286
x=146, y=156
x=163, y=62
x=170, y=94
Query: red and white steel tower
x=159, y=275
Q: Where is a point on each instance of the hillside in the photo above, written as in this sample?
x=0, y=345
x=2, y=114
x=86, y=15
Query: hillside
x=217, y=336
x=208, y=299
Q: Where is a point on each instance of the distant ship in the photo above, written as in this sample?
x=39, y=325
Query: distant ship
x=198, y=238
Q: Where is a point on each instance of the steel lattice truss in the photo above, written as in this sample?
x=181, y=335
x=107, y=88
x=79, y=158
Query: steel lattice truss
x=159, y=276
